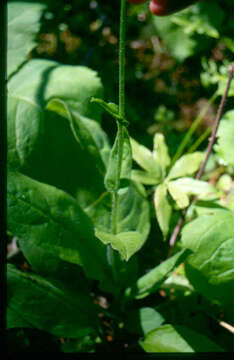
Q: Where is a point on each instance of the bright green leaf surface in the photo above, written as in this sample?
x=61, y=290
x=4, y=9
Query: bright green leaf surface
x=44, y=305
x=126, y=243
x=160, y=152
x=168, y=338
x=53, y=220
x=210, y=269
x=191, y=186
x=225, y=145
x=187, y=165
x=163, y=208
x=144, y=177
x=143, y=320
x=23, y=25
x=150, y=282
x=178, y=195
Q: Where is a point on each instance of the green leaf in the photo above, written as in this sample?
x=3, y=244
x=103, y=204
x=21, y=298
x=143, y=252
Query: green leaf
x=111, y=108
x=163, y=208
x=23, y=25
x=144, y=177
x=187, y=165
x=210, y=268
x=152, y=281
x=160, y=153
x=51, y=219
x=126, y=165
x=47, y=306
x=178, y=195
x=225, y=145
x=144, y=158
x=126, y=243
x=199, y=188
x=143, y=320
x=177, y=338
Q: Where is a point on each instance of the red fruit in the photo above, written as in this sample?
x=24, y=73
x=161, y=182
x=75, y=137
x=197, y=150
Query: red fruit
x=137, y=1
x=167, y=7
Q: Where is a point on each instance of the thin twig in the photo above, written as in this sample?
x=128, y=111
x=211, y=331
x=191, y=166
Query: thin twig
x=212, y=139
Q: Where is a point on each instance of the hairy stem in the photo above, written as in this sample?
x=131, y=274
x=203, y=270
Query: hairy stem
x=212, y=139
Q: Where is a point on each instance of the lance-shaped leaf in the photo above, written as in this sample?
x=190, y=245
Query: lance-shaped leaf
x=177, y=338
x=210, y=268
x=111, y=108
x=199, y=188
x=47, y=306
x=151, y=282
x=225, y=146
x=23, y=25
x=187, y=165
x=178, y=195
x=126, y=243
x=160, y=152
x=163, y=208
x=53, y=220
x=111, y=176
x=144, y=158
x=144, y=177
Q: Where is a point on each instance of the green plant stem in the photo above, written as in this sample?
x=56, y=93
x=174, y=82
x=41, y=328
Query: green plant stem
x=121, y=128
x=199, y=140
x=192, y=129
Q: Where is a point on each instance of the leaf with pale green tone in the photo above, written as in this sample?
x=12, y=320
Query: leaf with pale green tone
x=160, y=152
x=152, y=281
x=208, y=207
x=163, y=208
x=143, y=320
x=178, y=195
x=144, y=177
x=225, y=145
x=224, y=183
x=144, y=158
x=199, y=188
x=22, y=28
x=47, y=306
x=39, y=81
x=111, y=176
x=177, y=338
x=53, y=220
x=126, y=243
x=210, y=268
x=187, y=165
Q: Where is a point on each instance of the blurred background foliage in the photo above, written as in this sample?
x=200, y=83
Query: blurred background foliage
x=173, y=63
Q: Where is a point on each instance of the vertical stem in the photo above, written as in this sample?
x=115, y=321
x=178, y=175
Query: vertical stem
x=121, y=128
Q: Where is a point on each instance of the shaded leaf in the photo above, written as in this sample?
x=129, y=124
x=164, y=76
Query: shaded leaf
x=151, y=282
x=143, y=320
x=225, y=145
x=177, y=338
x=53, y=220
x=110, y=179
x=46, y=306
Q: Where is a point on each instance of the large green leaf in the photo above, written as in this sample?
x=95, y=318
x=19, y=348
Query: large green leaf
x=47, y=306
x=51, y=219
x=143, y=320
x=151, y=282
x=225, y=146
x=177, y=338
x=23, y=25
x=210, y=268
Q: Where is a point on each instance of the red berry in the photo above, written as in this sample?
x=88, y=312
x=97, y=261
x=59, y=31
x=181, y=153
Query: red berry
x=167, y=7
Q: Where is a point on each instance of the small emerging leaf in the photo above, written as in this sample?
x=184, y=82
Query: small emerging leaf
x=163, y=208
x=187, y=165
x=160, y=152
x=178, y=195
x=111, y=109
